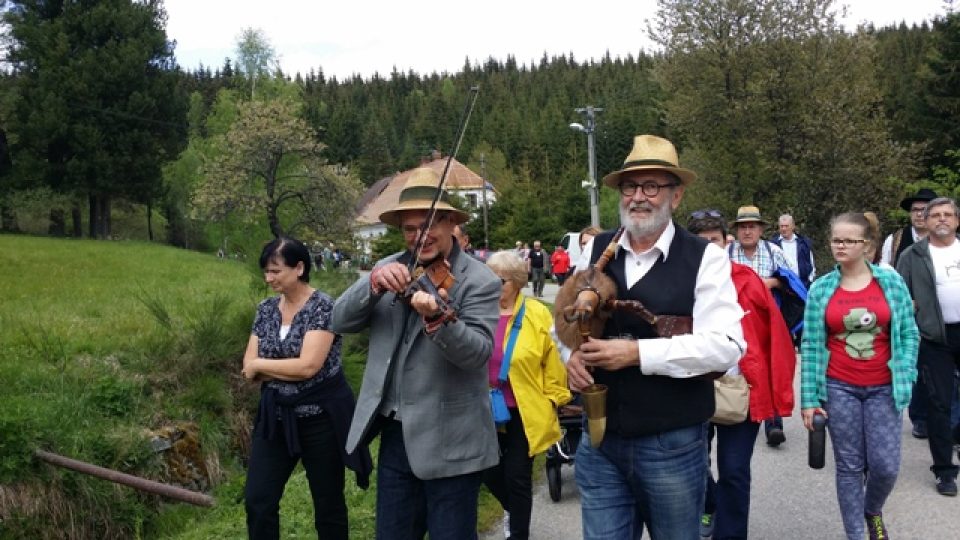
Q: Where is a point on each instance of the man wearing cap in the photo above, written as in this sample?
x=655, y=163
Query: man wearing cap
x=764, y=258
x=897, y=242
x=649, y=467
x=425, y=383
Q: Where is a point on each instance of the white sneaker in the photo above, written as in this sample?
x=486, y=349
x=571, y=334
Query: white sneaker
x=506, y=525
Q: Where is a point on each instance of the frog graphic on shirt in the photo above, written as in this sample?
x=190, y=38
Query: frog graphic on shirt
x=861, y=325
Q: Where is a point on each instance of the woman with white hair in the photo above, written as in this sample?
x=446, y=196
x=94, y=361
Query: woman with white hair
x=526, y=367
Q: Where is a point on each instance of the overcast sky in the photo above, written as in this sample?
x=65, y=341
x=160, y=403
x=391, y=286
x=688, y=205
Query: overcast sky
x=363, y=36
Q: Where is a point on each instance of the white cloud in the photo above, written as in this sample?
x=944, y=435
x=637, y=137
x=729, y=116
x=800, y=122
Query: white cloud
x=363, y=36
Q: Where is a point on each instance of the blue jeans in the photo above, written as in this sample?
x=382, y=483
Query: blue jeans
x=657, y=480
x=408, y=507
x=729, y=497
x=864, y=427
x=775, y=421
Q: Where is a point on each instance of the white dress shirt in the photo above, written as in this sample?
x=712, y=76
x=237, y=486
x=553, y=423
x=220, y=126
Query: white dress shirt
x=716, y=343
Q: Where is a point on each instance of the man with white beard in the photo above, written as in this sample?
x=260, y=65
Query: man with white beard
x=649, y=468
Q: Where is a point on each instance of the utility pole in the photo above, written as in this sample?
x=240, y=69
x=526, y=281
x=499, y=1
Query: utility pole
x=483, y=177
x=590, y=128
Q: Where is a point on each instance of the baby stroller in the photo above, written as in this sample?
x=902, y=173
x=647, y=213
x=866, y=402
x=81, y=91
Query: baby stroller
x=564, y=450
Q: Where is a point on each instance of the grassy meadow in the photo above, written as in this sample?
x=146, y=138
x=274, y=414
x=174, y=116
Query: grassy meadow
x=102, y=343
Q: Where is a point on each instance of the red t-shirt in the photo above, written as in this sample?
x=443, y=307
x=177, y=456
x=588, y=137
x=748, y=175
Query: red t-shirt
x=496, y=361
x=858, y=326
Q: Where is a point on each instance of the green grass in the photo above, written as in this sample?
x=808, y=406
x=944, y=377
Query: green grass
x=100, y=341
x=87, y=369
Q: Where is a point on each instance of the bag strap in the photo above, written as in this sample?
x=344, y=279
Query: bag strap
x=773, y=262
x=508, y=354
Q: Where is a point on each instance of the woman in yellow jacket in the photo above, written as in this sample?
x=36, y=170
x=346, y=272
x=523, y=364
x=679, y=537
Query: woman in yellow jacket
x=536, y=385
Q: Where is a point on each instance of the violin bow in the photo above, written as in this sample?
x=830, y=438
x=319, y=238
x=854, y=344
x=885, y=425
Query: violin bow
x=432, y=212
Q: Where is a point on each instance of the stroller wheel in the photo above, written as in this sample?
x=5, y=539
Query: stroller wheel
x=553, y=481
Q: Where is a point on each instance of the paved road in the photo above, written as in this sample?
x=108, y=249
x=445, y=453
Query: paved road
x=549, y=291
x=790, y=500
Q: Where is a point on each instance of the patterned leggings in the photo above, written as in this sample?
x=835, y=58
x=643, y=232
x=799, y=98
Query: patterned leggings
x=864, y=428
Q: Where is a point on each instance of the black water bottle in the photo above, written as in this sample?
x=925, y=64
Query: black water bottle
x=817, y=442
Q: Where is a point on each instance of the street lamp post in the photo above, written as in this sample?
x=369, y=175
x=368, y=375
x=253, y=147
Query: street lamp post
x=483, y=177
x=590, y=113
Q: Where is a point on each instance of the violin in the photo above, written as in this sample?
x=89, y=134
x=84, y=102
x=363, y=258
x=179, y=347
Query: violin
x=430, y=278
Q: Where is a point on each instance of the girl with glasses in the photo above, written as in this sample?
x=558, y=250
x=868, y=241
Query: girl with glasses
x=858, y=365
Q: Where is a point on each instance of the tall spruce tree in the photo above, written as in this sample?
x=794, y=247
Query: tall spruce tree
x=98, y=110
x=942, y=78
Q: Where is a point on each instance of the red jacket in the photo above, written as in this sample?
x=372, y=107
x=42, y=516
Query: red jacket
x=559, y=262
x=770, y=361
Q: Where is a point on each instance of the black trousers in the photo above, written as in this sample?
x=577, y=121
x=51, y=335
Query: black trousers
x=270, y=468
x=937, y=363
x=510, y=481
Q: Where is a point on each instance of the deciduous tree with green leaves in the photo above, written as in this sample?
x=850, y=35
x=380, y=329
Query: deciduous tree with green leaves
x=255, y=56
x=776, y=106
x=271, y=166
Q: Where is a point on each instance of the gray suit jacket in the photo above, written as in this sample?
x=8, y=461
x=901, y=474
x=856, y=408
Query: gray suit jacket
x=444, y=397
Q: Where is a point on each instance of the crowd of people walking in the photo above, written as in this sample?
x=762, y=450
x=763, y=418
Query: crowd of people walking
x=464, y=376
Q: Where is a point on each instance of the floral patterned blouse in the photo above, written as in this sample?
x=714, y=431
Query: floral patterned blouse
x=314, y=315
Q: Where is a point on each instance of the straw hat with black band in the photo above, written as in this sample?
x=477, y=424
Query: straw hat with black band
x=418, y=194
x=748, y=214
x=650, y=152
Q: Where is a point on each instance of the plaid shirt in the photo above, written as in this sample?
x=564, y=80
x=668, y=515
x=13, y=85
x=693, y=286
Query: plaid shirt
x=904, y=338
x=762, y=263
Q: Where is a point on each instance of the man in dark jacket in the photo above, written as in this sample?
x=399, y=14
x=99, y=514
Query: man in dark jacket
x=931, y=270
x=797, y=248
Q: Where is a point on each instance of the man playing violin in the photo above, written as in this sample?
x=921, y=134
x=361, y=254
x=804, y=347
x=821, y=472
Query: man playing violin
x=425, y=384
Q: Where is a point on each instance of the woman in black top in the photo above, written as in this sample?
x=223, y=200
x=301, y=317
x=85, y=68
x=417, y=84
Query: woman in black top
x=305, y=402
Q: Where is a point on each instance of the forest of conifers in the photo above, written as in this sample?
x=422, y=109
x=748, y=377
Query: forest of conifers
x=772, y=103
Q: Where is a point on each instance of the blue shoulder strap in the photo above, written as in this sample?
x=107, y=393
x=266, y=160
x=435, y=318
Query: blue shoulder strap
x=508, y=354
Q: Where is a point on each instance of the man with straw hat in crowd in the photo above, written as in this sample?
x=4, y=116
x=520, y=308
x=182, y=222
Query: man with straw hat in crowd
x=425, y=383
x=764, y=258
x=649, y=466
